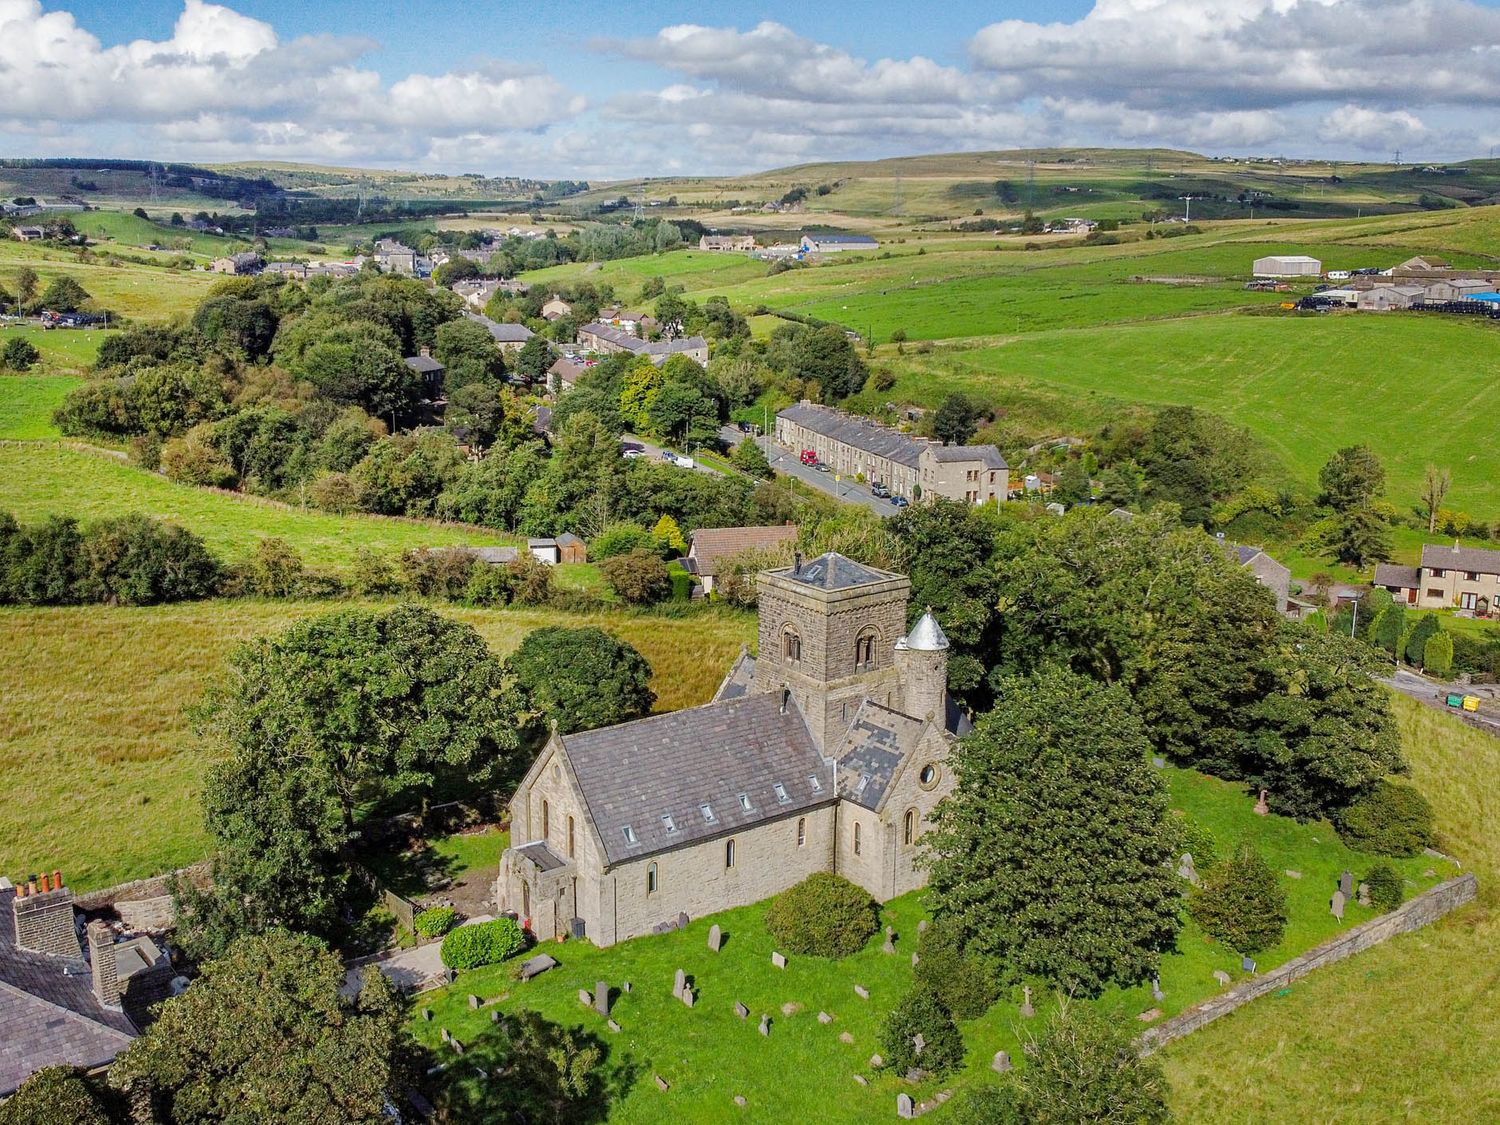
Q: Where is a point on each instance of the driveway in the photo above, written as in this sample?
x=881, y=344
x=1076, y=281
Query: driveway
x=1434, y=694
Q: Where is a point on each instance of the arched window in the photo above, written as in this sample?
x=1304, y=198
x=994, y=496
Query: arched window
x=801, y=830
x=651, y=879
x=856, y=837
x=791, y=645
x=546, y=820
x=864, y=650
x=909, y=832
x=570, y=837
x=728, y=854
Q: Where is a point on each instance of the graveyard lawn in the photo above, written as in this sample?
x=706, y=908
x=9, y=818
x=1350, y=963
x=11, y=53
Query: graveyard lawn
x=708, y=1055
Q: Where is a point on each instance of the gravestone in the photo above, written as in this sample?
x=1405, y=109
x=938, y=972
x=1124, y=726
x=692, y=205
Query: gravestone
x=1156, y=993
x=862, y=992
x=904, y=1106
x=614, y=1026
x=715, y=937
x=1261, y=808
x=1186, y=870
x=661, y=1083
x=601, y=998
x=1364, y=894
x=765, y=1025
x=1248, y=964
x=888, y=947
x=427, y=1014
x=447, y=1036
x=1027, y=1011
x=584, y=998
x=922, y=926
x=687, y=997
x=458, y=1048
x=918, y=1044
x=678, y=982
x=741, y=1011
x=1346, y=885
x=1290, y=874
x=682, y=921
x=876, y=1062
x=1159, y=763
x=495, y=1016
x=1222, y=977
x=625, y=987
x=846, y=1037
x=778, y=960
x=473, y=1001
x=1001, y=1062
x=1337, y=906
x=535, y=966
x=824, y=1017
x=860, y=1078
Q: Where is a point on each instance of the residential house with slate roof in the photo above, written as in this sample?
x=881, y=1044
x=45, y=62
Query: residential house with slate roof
x=708, y=547
x=597, y=337
x=910, y=466
x=1453, y=577
x=1273, y=575
x=828, y=751
x=70, y=994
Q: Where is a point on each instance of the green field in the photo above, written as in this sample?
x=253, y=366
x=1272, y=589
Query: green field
x=27, y=402
x=64, y=351
x=124, y=288
x=37, y=480
x=92, y=723
x=804, y=1063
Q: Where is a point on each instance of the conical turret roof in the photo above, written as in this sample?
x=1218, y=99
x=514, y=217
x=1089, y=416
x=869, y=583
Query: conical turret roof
x=926, y=635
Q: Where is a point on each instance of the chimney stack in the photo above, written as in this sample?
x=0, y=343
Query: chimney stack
x=44, y=918
x=104, y=968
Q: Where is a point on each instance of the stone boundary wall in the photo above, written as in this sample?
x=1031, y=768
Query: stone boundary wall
x=142, y=904
x=1426, y=908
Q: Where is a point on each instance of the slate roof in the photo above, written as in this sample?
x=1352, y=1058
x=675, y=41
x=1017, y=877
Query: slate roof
x=49, y=1015
x=877, y=742
x=566, y=370
x=986, y=453
x=544, y=857
x=832, y=239
x=860, y=432
x=832, y=571
x=423, y=363
x=1392, y=574
x=1245, y=554
x=739, y=679
x=712, y=544
x=502, y=333
x=630, y=342
x=669, y=765
x=1476, y=559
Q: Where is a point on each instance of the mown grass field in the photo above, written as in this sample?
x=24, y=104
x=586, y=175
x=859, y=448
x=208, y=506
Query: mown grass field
x=104, y=770
x=27, y=402
x=804, y=1064
x=1403, y=1032
x=64, y=351
x=124, y=288
x=38, y=480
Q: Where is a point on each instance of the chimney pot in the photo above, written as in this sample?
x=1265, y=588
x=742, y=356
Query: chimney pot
x=46, y=882
x=31, y=885
x=57, y=882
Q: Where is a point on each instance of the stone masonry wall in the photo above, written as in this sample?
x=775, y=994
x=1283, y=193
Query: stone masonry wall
x=1426, y=908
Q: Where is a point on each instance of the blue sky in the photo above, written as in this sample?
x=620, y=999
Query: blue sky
x=599, y=90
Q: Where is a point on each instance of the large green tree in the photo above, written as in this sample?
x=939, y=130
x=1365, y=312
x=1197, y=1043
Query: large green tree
x=1051, y=857
x=468, y=351
x=64, y=1095
x=581, y=678
x=347, y=714
x=263, y=1034
x=1351, y=478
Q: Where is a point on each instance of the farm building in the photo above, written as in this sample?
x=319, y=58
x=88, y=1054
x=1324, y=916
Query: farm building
x=1287, y=265
x=826, y=242
x=1388, y=297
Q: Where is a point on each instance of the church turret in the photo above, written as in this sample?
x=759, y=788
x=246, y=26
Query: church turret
x=922, y=660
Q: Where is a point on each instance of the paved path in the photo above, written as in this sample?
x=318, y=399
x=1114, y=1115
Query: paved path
x=410, y=970
x=1434, y=694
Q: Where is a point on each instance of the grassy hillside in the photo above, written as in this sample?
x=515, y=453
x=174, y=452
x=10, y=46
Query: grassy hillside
x=125, y=288
x=27, y=402
x=91, y=706
x=64, y=351
x=39, y=480
x=1406, y=1031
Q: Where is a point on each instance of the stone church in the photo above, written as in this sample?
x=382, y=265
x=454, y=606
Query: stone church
x=826, y=752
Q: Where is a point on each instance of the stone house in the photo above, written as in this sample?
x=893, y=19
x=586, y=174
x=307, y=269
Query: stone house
x=555, y=307
x=1273, y=575
x=509, y=338
x=727, y=242
x=826, y=752
x=708, y=547
x=247, y=262
x=597, y=337
x=1466, y=578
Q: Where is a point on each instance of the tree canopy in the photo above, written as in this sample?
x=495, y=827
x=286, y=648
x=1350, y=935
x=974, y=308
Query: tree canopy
x=581, y=678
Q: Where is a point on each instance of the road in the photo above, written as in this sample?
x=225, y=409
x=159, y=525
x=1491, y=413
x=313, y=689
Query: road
x=654, y=451
x=785, y=461
x=1433, y=694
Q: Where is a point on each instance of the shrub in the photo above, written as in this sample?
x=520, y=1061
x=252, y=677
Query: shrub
x=435, y=921
x=275, y=569
x=1241, y=903
x=485, y=943
x=581, y=678
x=920, y=1012
x=530, y=580
x=1416, y=640
x=639, y=577
x=19, y=354
x=1437, y=655
x=967, y=984
x=749, y=458
x=668, y=536
x=437, y=572
x=1198, y=842
x=620, y=539
x=1391, y=819
x=1387, y=888
x=824, y=915
x=1086, y=1067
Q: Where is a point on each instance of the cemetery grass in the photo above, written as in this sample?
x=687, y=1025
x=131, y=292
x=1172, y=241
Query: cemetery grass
x=38, y=480
x=1405, y=1031
x=92, y=721
x=708, y=1055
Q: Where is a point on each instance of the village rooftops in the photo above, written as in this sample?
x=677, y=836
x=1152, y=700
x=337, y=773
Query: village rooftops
x=502, y=333
x=1475, y=560
x=669, y=780
x=860, y=432
x=423, y=363
x=986, y=453
x=711, y=545
x=628, y=341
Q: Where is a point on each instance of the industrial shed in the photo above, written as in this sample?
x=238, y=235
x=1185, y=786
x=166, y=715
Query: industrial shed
x=1288, y=265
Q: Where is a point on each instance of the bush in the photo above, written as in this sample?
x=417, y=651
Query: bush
x=1437, y=655
x=920, y=1012
x=435, y=921
x=639, y=577
x=486, y=943
x=966, y=984
x=825, y=915
x=1197, y=841
x=19, y=354
x=1387, y=888
x=620, y=539
x=1086, y=1067
x=1416, y=641
x=530, y=580
x=1241, y=903
x=437, y=572
x=1391, y=819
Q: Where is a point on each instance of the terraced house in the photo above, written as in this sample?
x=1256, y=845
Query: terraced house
x=1449, y=578
x=911, y=466
x=827, y=751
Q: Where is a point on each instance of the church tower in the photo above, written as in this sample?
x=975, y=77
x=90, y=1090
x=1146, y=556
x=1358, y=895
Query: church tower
x=922, y=661
x=828, y=635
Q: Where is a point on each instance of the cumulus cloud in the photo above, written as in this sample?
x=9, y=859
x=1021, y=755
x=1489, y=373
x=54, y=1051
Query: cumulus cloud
x=224, y=77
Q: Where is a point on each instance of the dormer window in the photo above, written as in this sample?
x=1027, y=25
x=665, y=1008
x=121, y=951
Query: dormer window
x=816, y=782
x=630, y=837
x=708, y=812
x=745, y=803
x=780, y=791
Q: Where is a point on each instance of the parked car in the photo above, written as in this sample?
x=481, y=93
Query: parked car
x=680, y=461
x=880, y=490
x=822, y=468
x=899, y=501
x=635, y=453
